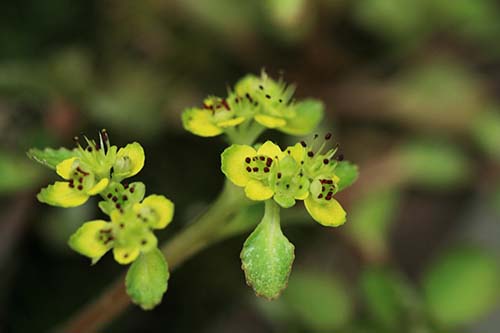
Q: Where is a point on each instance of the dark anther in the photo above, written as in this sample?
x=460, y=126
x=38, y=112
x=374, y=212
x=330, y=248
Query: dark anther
x=71, y=185
x=80, y=180
x=328, y=136
x=261, y=87
x=254, y=158
x=287, y=185
x=122, y=225
x=226, y=106
x=262, y=158
x=269, y=161
x=248, y=160
x=301, y=174
x=125, y=185
x=266, y=169
x=80, y=187
x=303, y=144
x=268, y=96
x=249, y=169
x=316, y=136
x=310, y=154
x=132, y=189
x=109, y=195
x=300, y=187
x=144, y=242
x=118, y=206
x=256, y=104
x=124, y=198
x=279, y=175
x=89, y=149
x=115, y=199
x=328, y=198
x=320, y=196
x=322, y=189
x=125, y=255
x=255, y=169
x=104, y=135
x=280, y=100
x=325, y=161
x=289, y=152
x=247, y=95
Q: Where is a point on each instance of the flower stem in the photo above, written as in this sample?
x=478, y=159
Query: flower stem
x=114, y=300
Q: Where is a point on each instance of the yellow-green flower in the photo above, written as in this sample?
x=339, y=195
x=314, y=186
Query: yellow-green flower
x=90, y=170
x=129, y=233
x=212, y=119
x=298, y=173
x=80, y=185
x=256, y=103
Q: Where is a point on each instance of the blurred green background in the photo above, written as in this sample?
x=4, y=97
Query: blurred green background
x=412, y=94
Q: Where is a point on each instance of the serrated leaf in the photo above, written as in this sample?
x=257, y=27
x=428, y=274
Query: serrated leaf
x=147, y=279
x=50, y=157
x=267, y=256
x=462, y=286
x=348, y=173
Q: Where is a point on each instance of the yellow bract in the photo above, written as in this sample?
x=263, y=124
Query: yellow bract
x=66, y=167
x=270, y=121
x=86, y=240
x=256, y=190
x=99, y=187
x=125, y=254
x=233, y=159
x=328, y=213
x=60, y=194
x=199, y=122
x=162, y=207
x=135, y=154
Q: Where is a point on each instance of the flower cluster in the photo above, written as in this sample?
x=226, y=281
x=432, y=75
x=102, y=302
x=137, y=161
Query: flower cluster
x=300, y=172
x=254, y=104
x=99, y=169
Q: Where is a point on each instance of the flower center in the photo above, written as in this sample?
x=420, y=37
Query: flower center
x=258, y=166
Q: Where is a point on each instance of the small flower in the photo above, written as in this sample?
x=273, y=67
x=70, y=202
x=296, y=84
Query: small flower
x=256, y=103
x=80, y=185
x=129, y=233
x=90, y=170
x=212, y=119
x=298, y=173
x=252, y=169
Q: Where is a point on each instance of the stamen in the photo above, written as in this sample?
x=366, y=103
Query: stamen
x=303, y=144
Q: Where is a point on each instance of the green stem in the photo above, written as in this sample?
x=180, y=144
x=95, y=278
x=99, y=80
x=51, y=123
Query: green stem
x=114, y=300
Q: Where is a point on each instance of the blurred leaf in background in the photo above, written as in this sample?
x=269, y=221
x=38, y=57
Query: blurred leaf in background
x=17, y=173
x=462, y=286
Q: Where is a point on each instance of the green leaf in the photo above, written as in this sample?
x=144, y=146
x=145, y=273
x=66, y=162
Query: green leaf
x=435, y=164
x=147, y=279
x=267, y=255
x=50, y=157
x=486, y=131
x=17, y=173
x=308, y=115
x=370, y=220
x=382, y=300
x=462, y=286
x=319, y=300
x=347, y=172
